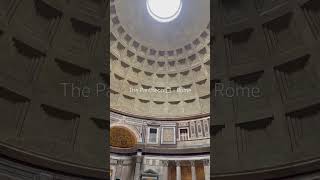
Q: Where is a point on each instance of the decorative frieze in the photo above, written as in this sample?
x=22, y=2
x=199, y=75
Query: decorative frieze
x=164, y=132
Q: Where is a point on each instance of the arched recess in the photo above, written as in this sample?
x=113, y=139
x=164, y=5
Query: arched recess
x=133, y=129
x=122, y=137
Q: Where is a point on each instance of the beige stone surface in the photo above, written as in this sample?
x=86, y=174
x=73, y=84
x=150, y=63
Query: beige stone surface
x=160, y=77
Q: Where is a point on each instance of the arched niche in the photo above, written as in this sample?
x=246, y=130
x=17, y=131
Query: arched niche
x=132, y=128
x=122, y=137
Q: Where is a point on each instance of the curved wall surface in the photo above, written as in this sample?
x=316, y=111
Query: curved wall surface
x=149, y=80
x=188, y=136
x=272, y=46
x=50, y=51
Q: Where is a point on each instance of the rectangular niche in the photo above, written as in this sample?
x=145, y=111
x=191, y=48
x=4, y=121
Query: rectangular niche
x=13, y=108
x=71, y=73
x=168, y=135
x=153, y=135
x=92, y=9
x=37, y=19
x=24, y=63
x=249, y=96
x=57, y=125
x=282, y=34
x=97, y=129
x=253, y=137
x=69, y=81
x=296, y=79
x=82, y=41
x=303, y=127
x=101, y=124
x=234, y=11
x=242, y=47
x=311, y=11
x=183, y=134
x=216, y=131
x=7, y=8
x=263, y=6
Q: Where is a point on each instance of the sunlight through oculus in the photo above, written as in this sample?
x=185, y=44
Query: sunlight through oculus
x=164, y=10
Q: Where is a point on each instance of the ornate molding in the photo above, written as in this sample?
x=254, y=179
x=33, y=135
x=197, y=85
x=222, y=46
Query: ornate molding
x=192, y=163
x=120, y=162
x=206, y=162
x=165, y=163
x=122, y=137
x=178, y=163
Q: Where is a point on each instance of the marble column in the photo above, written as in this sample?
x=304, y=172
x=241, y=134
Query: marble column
x=137, y=171
x=206, y=166
x=118, y=172
x=165, y=165
x=193, y=170
x=178, y=170
x=113, y=170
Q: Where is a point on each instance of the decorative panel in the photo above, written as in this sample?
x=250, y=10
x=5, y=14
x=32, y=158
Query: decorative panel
x=168, y=135
x=122, y=137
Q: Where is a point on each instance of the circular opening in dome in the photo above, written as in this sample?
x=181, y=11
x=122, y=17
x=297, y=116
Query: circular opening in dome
x=164, y=10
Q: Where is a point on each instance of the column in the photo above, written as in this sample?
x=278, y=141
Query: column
x=118, y=172
x=193, y=170
x=165, y=165
x=138, y=166
x=113, y=170
x=178, y=170
x=206, y=167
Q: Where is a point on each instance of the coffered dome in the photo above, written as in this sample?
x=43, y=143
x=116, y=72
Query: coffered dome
x=160, y=69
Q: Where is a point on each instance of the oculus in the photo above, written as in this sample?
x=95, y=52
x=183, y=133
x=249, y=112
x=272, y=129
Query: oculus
x=164, y=10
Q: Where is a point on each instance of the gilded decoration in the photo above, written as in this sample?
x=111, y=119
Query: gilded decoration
x=122, y=137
